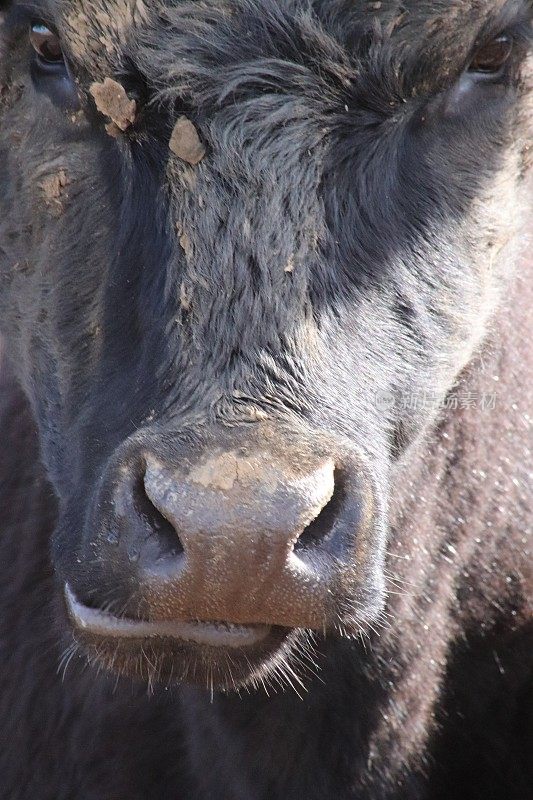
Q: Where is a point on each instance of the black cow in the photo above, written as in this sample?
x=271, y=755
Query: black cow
x=260, y=284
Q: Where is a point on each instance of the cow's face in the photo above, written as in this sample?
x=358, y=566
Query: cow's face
x=226, y=325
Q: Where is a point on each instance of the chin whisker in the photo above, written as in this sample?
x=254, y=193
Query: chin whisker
x=66, y=659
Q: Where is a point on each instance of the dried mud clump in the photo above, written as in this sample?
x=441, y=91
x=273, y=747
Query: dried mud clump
x=53, y=187
x=185, y=142
x=111, y=99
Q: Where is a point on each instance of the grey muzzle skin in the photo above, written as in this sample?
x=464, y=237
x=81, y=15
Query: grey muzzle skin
x=219, y=543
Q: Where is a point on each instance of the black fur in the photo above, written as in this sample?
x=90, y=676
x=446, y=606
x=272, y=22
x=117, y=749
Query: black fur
x=345, y=259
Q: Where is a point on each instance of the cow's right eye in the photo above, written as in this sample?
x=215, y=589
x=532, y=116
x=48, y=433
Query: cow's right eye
x=49, y=69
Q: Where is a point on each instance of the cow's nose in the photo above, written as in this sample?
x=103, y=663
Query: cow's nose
x=239, y=510
x=236, y=534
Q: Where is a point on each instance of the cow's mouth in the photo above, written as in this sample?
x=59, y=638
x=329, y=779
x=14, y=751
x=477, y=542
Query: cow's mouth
x=210, y=634
x=215, y=654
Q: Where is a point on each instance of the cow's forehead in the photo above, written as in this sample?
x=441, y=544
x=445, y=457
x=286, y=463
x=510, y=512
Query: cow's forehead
x=99, y=31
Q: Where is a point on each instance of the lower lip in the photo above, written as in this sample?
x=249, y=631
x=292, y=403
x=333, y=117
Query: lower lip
x=211, y=634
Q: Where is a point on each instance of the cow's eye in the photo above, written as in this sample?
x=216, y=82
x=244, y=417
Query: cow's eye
x=490, y=60
x=49, y=69
x=46, y=44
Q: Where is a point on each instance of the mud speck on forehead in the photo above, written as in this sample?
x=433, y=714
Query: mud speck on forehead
x=185, y=142
x=111, y=99
x=53, y=187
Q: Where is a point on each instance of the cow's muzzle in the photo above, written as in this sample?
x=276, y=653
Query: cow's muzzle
x=229, y=543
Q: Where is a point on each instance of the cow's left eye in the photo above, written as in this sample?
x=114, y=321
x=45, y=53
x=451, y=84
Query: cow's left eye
x=490, y=60
x=46, y=44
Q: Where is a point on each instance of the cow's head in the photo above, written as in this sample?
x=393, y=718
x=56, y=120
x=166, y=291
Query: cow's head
x=235, y=237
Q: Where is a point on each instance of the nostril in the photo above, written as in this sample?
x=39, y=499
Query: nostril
x=162, y=540
x=321, y=529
